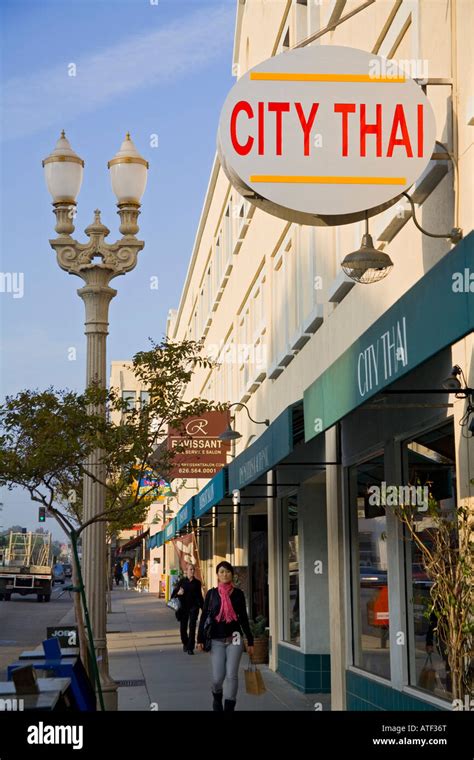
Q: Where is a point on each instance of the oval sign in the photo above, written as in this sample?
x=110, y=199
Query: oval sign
x=323, y=135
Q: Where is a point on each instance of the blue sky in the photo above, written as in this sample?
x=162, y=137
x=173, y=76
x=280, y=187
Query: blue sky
x=160, y=69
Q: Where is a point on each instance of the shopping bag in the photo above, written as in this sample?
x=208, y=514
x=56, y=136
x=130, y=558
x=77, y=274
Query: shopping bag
x=254, y=681
x=428, y=677
x=175, y=605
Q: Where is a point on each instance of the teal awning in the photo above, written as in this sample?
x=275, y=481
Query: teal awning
x=435, y=313
x=185, y=514
x=170, y=529
x=270, y=448
x=211, y=494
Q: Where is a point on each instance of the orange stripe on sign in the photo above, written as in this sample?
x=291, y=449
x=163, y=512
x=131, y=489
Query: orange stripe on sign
x=295, y=179
x=290, y=77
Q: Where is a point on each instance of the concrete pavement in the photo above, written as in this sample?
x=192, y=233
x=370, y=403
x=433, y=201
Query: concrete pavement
x=145, y=650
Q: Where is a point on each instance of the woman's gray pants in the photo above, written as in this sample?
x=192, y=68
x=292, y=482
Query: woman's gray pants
x=225, y=660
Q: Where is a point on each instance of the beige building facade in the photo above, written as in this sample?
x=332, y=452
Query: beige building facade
x=304, y=346
x=127, y=385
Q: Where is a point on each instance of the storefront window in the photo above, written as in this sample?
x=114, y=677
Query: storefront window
x=429, y=461
x=291, y=569
x=370, y=588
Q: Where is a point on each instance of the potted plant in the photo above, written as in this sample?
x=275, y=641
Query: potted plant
x=260, y=634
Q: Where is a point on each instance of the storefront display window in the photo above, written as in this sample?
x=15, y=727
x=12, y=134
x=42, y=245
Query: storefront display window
x=291, y=570
x=370, y=587
x=429, y=461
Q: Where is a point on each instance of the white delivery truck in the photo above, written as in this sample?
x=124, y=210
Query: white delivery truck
x=27, y=566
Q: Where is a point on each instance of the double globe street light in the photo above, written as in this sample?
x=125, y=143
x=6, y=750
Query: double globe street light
x=97, y=263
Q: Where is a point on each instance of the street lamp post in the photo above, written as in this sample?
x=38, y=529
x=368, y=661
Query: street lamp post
x=97, y=263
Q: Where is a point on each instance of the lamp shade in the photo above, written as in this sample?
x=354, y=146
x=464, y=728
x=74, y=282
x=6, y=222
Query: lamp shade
x=367, y=264
x=128, y=173
x=63, y=170
x=452, y=382
x=229, y=435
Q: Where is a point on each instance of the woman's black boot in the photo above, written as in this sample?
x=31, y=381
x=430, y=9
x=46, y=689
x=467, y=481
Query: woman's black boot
x=217, y=701
x=229, y=705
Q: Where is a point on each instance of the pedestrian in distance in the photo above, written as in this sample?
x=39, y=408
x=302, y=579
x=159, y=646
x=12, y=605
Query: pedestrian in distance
x=225, y=608
x=189, y=591
x=137, y=572
x=143, y=568
x=118, y=573
x=125, y=576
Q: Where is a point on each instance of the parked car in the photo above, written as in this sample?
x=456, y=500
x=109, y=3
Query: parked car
x=58, y=573
x=67, y=570
x=419, y=577
x=372, y=576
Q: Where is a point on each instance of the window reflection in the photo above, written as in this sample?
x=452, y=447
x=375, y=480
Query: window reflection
x=429, y=460
x=292, y=580
x=371, y=609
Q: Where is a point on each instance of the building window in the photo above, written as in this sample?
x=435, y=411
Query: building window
x=218, y=261
x=291, y=570
x=144, y=398
x=241, y=213
x=301, y=20
x=369, y=562
x=209, y=291
x=129, y=397
x=428, y=461
x=307, y=282
x=284, y=299
x=228, y=236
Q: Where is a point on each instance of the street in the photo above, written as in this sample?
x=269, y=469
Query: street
x=23, y=623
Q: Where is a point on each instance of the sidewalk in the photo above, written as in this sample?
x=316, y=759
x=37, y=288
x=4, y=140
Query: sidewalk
x=145, y=650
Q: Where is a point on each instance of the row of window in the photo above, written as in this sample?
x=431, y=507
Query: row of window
x=134, y=398
x=429, y=466
x=226, y=245
x=429, y=462
x=286, y=289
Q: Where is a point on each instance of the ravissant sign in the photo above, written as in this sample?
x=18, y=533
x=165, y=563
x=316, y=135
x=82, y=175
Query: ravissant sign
x=323, y=134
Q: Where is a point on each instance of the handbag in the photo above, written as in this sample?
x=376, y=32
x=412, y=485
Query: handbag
x=175, y=605
x=254, y=683
x=428, y=678
x=207, y=628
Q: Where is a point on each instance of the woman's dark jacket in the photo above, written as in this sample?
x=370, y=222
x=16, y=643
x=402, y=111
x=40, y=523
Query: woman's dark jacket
x=222, y=629
x=192, y=597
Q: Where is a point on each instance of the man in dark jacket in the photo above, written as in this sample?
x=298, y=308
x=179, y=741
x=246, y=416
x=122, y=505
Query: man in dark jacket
x=189, y=591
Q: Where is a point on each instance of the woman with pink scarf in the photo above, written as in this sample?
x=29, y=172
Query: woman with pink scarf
x=225, y=605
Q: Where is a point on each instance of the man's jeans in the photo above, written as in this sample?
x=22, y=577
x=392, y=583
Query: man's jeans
x=188, y=616
x=225, y=660
x=126, y=582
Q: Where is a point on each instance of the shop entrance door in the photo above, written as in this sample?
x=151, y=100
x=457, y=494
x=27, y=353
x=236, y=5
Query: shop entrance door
x=258, y=565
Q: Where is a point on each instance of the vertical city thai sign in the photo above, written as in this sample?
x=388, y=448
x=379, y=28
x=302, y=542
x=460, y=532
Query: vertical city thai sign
x=198, y=451
x=320, y=135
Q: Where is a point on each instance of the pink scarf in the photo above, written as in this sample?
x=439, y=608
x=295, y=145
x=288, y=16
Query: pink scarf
x=226, y=611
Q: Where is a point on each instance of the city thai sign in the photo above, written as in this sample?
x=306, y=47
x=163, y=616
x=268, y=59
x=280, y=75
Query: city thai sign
x=381, y=359
x=199, y=452
x=321, y=134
